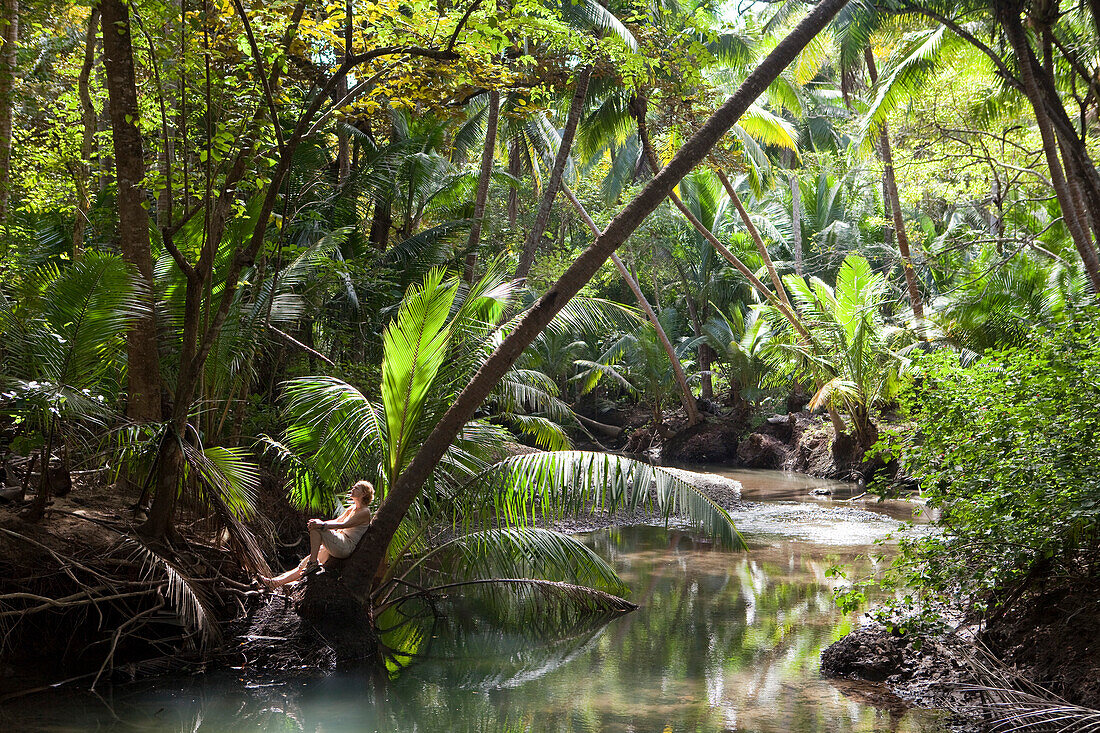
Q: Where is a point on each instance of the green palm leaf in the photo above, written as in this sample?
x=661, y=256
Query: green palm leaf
x=414, y=348
x=526, y=552
x=556, y=484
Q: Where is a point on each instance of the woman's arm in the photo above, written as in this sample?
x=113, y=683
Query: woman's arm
x=357, y=518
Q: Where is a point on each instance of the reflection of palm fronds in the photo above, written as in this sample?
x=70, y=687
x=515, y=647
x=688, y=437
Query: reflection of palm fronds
x=534, y=606
x=187, y=599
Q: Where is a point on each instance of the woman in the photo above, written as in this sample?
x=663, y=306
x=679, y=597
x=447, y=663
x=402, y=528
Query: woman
x=332, y=538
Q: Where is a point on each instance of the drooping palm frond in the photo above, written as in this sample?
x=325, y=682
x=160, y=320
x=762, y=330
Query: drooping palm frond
x=589, y=14
x=593, y=315
x=923, y=56
x=523, y=489
x=534, y=607
x=524, y=552
x=335, y=433
x=183, y=593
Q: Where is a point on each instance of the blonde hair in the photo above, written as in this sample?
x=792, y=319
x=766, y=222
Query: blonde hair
x=368, y=490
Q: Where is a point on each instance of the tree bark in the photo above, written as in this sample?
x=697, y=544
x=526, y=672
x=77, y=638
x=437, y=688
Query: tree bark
x=486, y=173
x=891, y=189
x=687, y=399
x=550, y=190
x=143, y=362
x=1074, y=218
x=87, y=143
x=360, y=569
x=796, y=224
x=515, y=166
x=9, y=45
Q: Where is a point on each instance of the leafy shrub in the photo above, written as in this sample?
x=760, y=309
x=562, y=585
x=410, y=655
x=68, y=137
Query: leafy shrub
x=1007, y=449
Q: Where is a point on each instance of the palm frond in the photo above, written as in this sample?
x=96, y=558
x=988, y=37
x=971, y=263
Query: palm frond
x=184, y=594
x=555, y=484
x=526, y=552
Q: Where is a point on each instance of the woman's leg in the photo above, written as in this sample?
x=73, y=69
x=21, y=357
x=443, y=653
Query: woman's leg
x=314, y=545
x=288, y=577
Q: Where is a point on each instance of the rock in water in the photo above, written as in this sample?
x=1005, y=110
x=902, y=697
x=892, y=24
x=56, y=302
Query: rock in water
x=871, y=654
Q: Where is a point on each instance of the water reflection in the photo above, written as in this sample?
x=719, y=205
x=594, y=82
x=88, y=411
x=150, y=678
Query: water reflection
x=722, y=641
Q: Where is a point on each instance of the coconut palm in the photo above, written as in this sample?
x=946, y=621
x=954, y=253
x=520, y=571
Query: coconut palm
x=740, y=341
x=64, y=351
x=850, y=356
x=489, y=509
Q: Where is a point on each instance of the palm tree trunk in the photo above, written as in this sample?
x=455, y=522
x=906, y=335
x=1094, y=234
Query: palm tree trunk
x=87, y=143
x=515, y=166
x=361, y=567
x=796, y=224
x=686, y=397
x=891, y=189
x=757, y=239
x=9, y=38
x=143, y=362
x=550, y=190
x=730, y=257
x=1071, y=214
x=487, y=154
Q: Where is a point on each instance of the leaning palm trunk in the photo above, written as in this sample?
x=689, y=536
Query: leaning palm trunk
x=779, y=302
x=890, y=185
x=368, y=556
x=486, y=173
x=686, y=397
x=550, y=191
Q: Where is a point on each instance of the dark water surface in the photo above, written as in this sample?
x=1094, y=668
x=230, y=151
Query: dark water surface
x=722, y=642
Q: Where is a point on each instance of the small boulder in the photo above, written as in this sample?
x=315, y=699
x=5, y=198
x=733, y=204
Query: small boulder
x=871, y=654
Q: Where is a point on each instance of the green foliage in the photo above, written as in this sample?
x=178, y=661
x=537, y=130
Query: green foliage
x=1006, y=450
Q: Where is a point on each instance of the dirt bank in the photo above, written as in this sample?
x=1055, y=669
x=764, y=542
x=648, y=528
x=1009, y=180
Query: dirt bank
x=929, y=672
x=794, y=441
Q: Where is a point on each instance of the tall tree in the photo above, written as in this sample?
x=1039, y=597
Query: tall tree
x=9, y=46
x=364, y=562
x=686, y=397
x=87, y=142
x=890, y=186
x=485, y=174
x=143, y=361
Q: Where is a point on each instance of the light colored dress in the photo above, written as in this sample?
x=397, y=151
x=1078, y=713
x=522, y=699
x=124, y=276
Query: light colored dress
x=341, y=542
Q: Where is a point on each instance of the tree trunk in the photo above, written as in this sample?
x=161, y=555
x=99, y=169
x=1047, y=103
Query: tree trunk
x=360, y=569
x=757, y=239
x=380, y=224
x=515, y=166
x=550, y=190
x=891, y=189
x=686, y=397
x=1074, y=218
x=796, y=224
x=9, y=45
x=487, y=155
x=87, y=143
x=143, y=363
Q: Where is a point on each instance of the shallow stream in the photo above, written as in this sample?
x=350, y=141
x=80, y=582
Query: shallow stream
x=722, y=641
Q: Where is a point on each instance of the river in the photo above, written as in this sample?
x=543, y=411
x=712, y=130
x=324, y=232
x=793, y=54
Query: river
x=722, y=641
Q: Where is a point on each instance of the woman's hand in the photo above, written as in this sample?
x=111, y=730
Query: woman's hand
x=315, y=524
